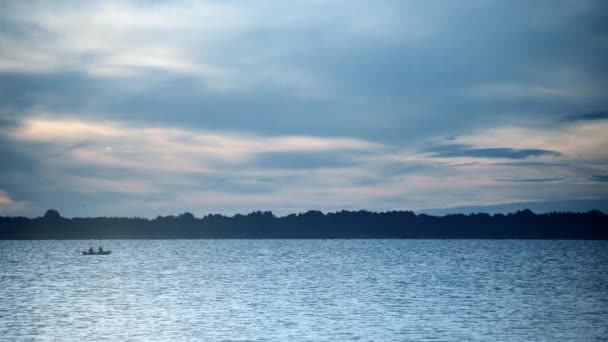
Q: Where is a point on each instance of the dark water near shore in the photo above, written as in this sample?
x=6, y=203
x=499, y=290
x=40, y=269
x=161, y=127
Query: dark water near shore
x=304, y=290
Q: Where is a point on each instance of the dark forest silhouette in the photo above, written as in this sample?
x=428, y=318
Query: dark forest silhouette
x=314, y=224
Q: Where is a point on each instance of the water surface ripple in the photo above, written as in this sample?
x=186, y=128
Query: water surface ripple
x=304, y=290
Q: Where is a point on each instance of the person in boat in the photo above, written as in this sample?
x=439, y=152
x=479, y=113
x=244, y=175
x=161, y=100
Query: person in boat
x=100, y=250
x=91, y=250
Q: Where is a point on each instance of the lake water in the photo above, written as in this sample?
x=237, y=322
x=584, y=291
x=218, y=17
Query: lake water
x=304, y=290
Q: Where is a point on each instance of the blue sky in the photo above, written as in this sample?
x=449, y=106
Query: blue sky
x=141, y=108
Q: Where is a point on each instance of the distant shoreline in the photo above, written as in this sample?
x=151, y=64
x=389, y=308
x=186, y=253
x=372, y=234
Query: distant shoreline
x=524, y=224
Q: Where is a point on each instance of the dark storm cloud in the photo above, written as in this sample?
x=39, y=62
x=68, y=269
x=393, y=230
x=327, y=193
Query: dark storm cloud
x=457, y=150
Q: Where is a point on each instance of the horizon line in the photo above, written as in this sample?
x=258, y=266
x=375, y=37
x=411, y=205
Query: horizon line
x=414, y=212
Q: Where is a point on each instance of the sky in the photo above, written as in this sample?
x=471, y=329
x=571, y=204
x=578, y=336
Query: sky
x=145, y=108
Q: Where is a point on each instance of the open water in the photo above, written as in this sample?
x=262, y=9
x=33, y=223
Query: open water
x=304, y=290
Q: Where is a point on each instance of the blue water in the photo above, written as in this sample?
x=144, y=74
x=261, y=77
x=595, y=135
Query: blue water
x=304, y=290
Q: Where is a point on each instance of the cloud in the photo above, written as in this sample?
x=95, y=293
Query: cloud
x=304, y=160
x=361, y=70
x=179, y=104
x=599, y=178
x=109, y=163
x=8, y=205
x=586, y=117
x=102, y=39
x=83, y=158
x=519, y=91
x=531, y=180
x=4, y=199
x=228, y=46
x=87, y=141
x=581, y=142
x=454, y=150
x=532, y=164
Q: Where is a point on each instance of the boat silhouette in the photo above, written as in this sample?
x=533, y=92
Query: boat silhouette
x=96, y=253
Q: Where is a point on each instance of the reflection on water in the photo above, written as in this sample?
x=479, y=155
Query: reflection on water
x=279, y=290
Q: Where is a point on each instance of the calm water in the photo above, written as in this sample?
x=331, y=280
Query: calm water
x=319, y=290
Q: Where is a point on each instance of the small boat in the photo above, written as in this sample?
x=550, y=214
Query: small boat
x=96, y=253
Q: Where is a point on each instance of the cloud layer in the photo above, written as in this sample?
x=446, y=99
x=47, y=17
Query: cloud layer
x=142, y=108
x=139, y=169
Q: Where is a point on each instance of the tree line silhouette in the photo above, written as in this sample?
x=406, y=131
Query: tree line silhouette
x=523, y=224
